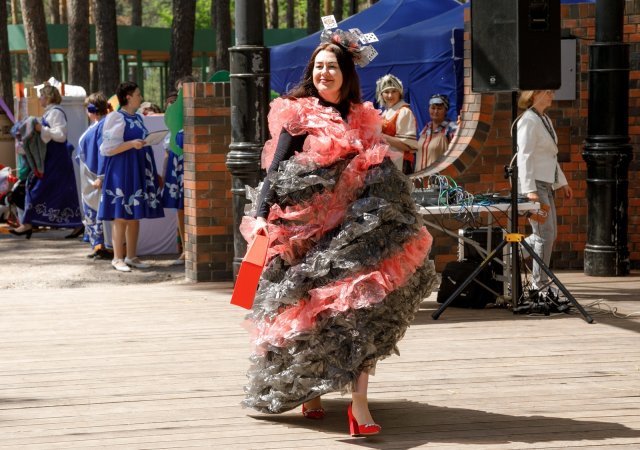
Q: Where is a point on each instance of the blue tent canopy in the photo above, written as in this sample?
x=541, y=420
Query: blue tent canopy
x=421, y=42
x=428, y=57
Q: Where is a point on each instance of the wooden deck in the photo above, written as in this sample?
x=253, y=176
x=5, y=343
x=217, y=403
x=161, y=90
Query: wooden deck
x=162, y=366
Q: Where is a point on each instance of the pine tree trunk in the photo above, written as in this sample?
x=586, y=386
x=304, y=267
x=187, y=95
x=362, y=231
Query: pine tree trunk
x=136, y=21
x=78, y=56
x=35, y=30
x=274, y=14
x=182, y=33
x=14, y=11
x=108, y=66
x=223, y=34
x=6, y=89
x=16, y=59
x=353, y=7
x=291, y=14
x=93, y=67
x=338, y=8
x=212, y=23
x=136, y=13
x=54, y=11
x=64, y=18
x=313, y=16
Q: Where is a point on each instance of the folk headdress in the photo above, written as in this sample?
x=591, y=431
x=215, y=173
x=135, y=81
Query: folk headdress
x=351, y=41
x=385, y=83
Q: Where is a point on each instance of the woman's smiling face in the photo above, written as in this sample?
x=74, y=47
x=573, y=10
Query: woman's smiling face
x=327, y=76
x=391, y=97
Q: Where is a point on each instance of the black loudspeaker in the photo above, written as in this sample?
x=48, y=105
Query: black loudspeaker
x=480, y=235
x=515, y=45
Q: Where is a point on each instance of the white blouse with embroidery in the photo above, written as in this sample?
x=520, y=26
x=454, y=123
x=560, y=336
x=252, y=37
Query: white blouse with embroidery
x=57, y=129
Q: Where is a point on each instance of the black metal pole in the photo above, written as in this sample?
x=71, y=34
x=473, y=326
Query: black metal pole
x=249, y=64
x=515, y=260
x=607, y=151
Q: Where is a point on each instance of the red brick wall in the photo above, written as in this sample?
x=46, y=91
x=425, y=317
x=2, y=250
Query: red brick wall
x=207, y=182
x=483, y=145
x=480, y=151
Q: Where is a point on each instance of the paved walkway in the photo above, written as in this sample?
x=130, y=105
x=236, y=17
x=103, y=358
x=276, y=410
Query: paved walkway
x=139, y=365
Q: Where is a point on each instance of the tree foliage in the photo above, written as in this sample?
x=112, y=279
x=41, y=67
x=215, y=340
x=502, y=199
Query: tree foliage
x=291, y=13
x=158, y=13
x=148, y=13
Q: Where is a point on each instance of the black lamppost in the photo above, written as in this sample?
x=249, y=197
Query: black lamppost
x=607, y=150
x=249, y=64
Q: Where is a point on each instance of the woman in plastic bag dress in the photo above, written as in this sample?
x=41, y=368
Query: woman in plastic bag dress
x=347, y=265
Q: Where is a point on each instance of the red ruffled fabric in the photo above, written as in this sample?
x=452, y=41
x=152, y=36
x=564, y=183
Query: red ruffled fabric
x=330, y=139
x=324, y=211
x=359, y=290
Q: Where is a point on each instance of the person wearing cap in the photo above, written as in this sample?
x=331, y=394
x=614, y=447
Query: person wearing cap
x=398, y=121
x=437, y=134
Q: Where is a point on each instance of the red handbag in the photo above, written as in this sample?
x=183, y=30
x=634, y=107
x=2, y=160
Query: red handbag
x=249, y=274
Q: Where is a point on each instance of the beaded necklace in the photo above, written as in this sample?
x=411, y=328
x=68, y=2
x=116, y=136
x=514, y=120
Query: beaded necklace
x=547, y=124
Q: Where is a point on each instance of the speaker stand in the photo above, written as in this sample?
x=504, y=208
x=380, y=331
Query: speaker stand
x=514, y=239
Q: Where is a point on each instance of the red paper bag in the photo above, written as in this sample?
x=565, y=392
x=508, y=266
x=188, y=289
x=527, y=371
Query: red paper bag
x=249, y=273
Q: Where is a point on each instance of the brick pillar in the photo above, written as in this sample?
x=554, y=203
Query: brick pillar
x=207, y=182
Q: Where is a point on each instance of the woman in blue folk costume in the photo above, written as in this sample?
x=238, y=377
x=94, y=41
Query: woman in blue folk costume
x=173, y=187
x=51, y=197
x=173, y=193
x=130, y=189
x=92, y=173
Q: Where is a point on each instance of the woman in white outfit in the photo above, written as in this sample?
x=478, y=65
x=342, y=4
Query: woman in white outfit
x=539, y=173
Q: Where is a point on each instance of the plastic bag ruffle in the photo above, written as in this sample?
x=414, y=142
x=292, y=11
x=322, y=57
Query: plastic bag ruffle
x=360, y=290
x=330, y=357
x=348, y=261
x=330, y=138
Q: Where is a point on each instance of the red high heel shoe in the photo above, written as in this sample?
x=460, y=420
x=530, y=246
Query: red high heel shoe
x=315, y=414
x=368, y=429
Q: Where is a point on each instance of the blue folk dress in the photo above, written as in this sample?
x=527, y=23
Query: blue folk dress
x=52, y=200
x=130, y=188
x=173, y=192
x=91, y=163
